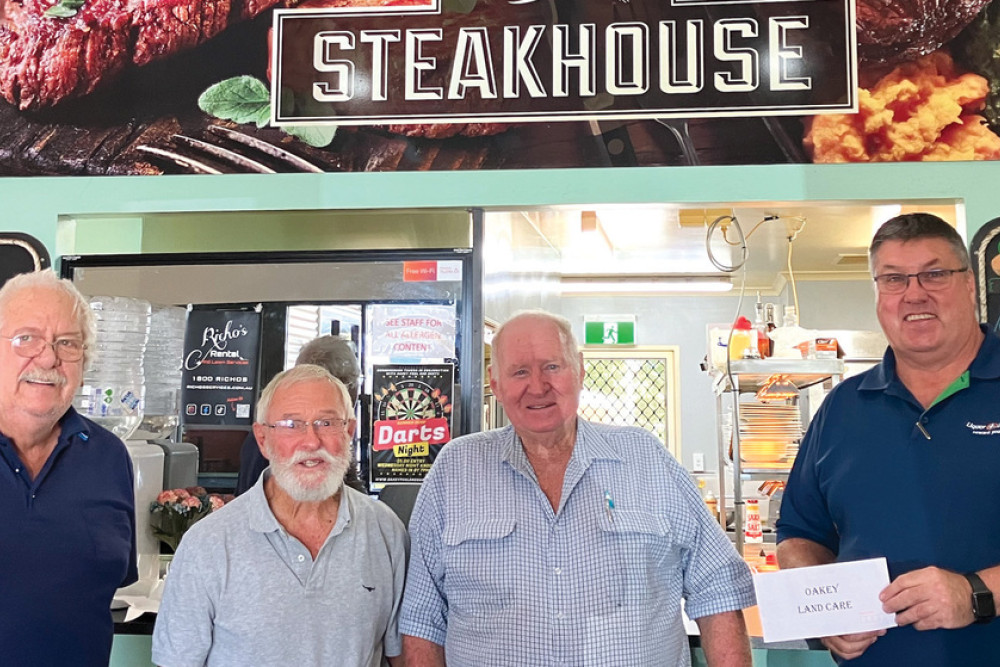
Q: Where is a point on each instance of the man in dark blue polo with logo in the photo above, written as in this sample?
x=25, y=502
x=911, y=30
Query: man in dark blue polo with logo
x=67, y=533
x=903, y=461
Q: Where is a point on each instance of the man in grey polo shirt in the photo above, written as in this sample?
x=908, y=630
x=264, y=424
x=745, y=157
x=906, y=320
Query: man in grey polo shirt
x=300, y=570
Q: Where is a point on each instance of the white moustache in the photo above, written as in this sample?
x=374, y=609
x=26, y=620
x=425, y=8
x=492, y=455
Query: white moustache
x=45, y=377
x=299, y=457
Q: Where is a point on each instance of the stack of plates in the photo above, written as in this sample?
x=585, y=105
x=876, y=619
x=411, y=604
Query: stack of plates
x=769, y=432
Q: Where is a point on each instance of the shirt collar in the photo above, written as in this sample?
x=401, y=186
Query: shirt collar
x=70, y=424
x=590, y=445
x=985, y=366
x=73, y=424
x=262, y=519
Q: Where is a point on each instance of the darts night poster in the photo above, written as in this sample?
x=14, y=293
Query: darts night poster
x=411, y=411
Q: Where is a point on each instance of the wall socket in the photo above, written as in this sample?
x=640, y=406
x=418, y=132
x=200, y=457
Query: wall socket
x=697, y=462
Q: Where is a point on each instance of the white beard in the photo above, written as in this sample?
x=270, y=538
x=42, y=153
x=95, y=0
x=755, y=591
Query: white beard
x=310, y=490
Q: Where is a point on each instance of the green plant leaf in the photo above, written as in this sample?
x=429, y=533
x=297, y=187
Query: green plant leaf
x=64, y=9
x=242, y=99
x=317, y=136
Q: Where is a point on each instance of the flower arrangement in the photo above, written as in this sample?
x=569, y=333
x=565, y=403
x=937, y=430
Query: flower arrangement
x=176, y=510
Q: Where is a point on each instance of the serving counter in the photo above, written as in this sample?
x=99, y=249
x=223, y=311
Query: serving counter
x=133, y=646
x=133, y=643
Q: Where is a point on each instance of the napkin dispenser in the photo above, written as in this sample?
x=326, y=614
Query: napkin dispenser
x=180, y=464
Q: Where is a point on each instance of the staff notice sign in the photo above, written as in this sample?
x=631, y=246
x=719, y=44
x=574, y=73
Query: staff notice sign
x=565, y=60
x=220, y=366
x=413, y=331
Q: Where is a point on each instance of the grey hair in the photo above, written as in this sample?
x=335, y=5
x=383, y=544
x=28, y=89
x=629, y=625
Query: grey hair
x=335, y=355
x=296, y=375
x=571, y=349
x=47, y=279
x=914, y=226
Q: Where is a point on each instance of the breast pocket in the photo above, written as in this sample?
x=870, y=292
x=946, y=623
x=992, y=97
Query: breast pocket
x=639, y=549
x=478, y=556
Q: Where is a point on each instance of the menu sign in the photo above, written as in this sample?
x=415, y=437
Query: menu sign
x=220, y=366
x=566, y=60
x=411, y=411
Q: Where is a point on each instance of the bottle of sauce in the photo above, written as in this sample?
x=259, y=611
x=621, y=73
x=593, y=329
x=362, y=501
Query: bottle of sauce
x=791, y=317
x=753, y=532
x=743, y=343
x=712, y=503
x=760, y=325
x=771, y=316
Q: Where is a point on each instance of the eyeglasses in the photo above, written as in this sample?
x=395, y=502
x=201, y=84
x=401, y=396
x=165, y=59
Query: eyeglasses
x=30, y=346
x=296, y=428
x=935, y=279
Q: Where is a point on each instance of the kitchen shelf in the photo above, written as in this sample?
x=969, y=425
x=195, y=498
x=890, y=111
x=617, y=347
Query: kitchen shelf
x=751, y=374
x=764, y=473
x=746, y=377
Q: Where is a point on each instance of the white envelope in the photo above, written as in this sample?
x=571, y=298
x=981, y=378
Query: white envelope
x=823, y=600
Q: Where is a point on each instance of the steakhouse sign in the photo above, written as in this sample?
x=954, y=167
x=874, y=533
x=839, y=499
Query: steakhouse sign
x=535, y=60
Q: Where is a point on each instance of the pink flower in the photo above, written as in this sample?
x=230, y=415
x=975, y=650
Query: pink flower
x=182, y=494
x=197, y=490
x=217, y=501
x=191, y=501
x=168, y=496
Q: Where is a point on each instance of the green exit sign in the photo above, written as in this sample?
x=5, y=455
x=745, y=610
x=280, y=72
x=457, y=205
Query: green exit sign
x=609, y=331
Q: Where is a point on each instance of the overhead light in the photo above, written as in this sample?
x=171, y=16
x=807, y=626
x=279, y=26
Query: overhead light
x=591, y=285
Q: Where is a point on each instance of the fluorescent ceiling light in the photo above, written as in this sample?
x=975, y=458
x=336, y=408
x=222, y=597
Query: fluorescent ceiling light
x=597, y=285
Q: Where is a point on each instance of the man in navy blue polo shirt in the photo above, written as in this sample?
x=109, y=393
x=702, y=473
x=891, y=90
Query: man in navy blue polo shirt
x=902, y=461
x=67, y=538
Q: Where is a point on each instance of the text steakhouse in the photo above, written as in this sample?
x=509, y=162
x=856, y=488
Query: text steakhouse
x=772, y=64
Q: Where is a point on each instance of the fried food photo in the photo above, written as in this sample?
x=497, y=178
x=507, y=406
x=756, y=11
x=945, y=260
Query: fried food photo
x=922, y=110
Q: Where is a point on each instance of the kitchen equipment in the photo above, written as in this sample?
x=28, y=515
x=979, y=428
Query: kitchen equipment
x=180, y=464
x=147, y=466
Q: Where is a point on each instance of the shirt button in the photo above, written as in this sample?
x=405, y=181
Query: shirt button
x=557, y=570
x=301, y=558
x=560, y=615
x=17, y=470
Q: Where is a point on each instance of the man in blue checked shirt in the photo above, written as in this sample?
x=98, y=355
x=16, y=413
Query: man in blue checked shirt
x=556, y=541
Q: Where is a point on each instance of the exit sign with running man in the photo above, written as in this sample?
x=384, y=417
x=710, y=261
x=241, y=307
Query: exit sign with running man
x=609, y=330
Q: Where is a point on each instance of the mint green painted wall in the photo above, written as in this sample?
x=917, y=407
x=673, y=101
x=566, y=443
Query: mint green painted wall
x=34, y=204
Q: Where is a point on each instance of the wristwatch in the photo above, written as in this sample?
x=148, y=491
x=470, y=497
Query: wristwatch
x=982, y=599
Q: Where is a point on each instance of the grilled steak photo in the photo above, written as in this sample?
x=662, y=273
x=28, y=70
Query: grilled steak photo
x=51, y=53
x=892, y=31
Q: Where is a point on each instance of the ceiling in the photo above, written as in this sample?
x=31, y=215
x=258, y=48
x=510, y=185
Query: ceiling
x=666, y=242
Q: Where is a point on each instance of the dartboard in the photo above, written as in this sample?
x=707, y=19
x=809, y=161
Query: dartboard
x=411, y=399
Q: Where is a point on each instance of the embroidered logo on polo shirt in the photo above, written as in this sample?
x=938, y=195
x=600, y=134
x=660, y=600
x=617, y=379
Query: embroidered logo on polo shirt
x=993, y=428
x=368, y=588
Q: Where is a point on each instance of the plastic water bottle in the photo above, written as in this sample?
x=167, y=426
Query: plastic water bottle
x=114, y=388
